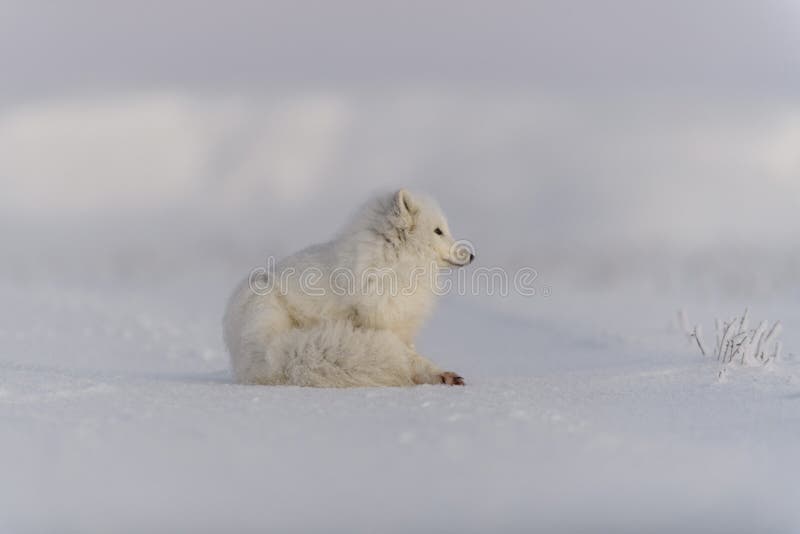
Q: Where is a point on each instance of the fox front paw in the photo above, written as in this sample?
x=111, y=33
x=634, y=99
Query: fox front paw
x=451, y=379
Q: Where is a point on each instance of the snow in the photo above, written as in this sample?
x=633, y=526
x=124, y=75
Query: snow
x=118, y=410
x=586, y=409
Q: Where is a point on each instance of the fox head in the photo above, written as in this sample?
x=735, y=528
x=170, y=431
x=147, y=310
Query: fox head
x=421, y=226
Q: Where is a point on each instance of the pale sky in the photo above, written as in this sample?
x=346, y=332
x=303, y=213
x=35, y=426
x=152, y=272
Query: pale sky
x=593, y=122
x=730, y=45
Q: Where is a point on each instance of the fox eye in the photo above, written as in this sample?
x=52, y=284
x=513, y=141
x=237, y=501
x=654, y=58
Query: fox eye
x=438, y=231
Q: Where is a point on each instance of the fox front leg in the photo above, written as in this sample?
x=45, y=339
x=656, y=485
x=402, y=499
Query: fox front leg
x=426, y=372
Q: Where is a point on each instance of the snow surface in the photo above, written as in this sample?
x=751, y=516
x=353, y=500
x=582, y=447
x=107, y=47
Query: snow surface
x=585, y=411
x=118, y=411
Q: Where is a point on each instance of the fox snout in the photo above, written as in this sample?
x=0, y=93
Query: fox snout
x=462, y=253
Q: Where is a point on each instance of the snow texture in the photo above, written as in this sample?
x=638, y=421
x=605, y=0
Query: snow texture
x=118, y=411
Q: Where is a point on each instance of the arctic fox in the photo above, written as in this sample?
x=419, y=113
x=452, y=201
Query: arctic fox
x=345, y=313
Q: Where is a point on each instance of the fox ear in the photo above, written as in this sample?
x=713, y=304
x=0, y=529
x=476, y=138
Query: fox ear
x=404, y=203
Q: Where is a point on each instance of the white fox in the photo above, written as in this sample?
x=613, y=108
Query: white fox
x=324, y=317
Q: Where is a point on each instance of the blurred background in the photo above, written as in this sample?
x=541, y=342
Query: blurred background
x=603, y=143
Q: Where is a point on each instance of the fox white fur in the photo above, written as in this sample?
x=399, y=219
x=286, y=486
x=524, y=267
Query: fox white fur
x=311, y=333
